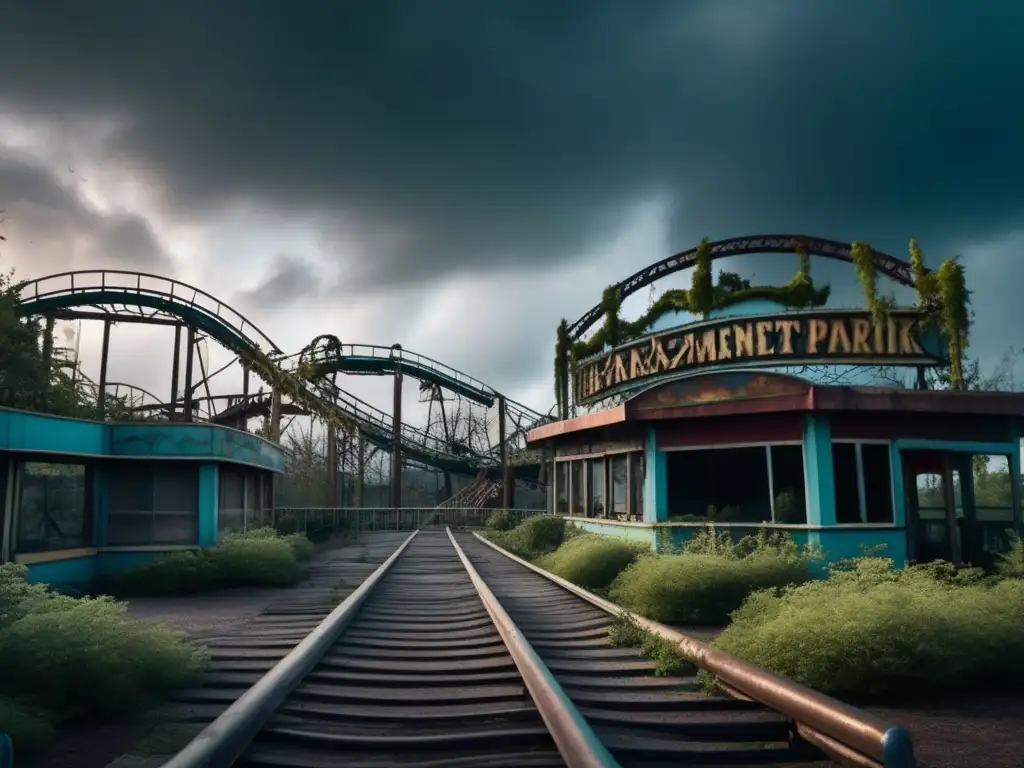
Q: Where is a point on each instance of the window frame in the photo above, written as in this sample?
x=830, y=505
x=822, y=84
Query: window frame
x=11, y=544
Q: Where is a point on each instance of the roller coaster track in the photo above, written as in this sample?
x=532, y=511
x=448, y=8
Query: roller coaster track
x=455, y=653
x=327, y=354
x=114, y=294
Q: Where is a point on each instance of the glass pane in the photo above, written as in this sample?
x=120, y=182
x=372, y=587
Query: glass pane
x=877, y=482
x=176, y=487
x=130, y=485
x=562, y=488
x=252, y=506
x=788, y=484
x=931, y=502
x=230, y=513
x=618, y=469
x=176, y=528
x=844, y=476
x=576, y=493
x=597, y=500
x=636, y=488
x=51, y=507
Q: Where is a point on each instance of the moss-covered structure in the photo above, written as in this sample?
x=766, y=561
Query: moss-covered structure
x=942, y=295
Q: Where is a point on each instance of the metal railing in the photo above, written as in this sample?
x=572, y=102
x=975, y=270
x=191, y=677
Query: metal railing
x=323, y=522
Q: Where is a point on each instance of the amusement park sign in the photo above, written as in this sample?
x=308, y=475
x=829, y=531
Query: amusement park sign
x=795, y=338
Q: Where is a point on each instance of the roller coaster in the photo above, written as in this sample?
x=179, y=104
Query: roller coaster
x=307, y=379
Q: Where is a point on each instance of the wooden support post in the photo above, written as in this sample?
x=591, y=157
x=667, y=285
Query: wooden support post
x=101, y=392
x=396, y=443
x=174, y=373
x=190, y=348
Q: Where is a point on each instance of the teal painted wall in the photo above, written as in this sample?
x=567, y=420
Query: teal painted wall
x=194, y=441
x=819, y=489
x=24, y=431
x=655, y=480
x=111, y=562
x=209, y=501
x=644, y=533
x=78, y=571
x=836, y=544
x=81, y=572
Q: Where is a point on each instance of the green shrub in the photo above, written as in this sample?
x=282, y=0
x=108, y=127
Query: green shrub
x=299, y=542
x=28, y=726
x=1011, y=564
x=711, y=578
x=301, y=546
x=533, y=537
x=591, y=560
x=63, y=657
x=258, y=558
x=501, y=520
x=257, y=562
x=873, y=633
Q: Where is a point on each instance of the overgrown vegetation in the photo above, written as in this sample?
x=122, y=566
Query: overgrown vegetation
x=867, y=633
x=501, y=520
x=63, y=658
x=941, y=294
x=592, y=560
x=872, y=633
x=700, y=299
x=668, y=659
x=37, y=376
x=256, y=558
x=710, y=577
x=534, y=537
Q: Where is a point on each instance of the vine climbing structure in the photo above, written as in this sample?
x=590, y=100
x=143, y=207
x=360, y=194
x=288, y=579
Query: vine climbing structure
x=942, y=297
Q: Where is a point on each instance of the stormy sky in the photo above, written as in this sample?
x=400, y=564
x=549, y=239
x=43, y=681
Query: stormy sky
x=458, y=175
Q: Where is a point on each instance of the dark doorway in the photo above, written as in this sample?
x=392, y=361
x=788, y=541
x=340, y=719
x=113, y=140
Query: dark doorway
x=933, y=533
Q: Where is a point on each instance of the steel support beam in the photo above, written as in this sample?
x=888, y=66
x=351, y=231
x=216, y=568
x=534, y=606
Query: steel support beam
x=396, y=442
x=190, y=348
x=175, y=364
x=101, y=395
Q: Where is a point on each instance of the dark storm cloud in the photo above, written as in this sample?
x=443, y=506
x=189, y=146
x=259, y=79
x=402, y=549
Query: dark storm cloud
x=44, y=218
x=290, y=278
x=128, y=242
x=21, y=181
x=471, y=135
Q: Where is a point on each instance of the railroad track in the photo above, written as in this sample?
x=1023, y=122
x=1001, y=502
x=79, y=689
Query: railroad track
x=455, y=654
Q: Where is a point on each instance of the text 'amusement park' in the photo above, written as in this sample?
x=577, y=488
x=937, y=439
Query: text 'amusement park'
x=400, y=387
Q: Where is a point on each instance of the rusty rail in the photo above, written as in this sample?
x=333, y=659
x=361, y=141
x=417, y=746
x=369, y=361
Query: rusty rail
x=223, y=741
x=848, y=735
x=575, y=739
